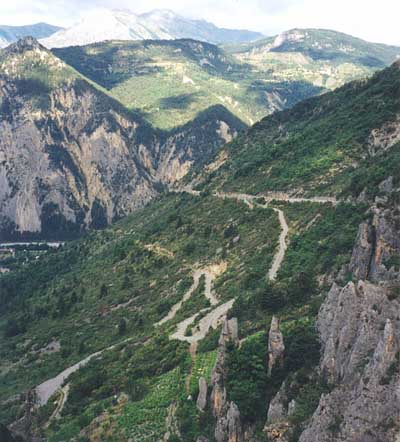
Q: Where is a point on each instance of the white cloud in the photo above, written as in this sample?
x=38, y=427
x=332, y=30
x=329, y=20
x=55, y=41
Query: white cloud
x=368, y=19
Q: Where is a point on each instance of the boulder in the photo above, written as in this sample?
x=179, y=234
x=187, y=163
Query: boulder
x=202, y=397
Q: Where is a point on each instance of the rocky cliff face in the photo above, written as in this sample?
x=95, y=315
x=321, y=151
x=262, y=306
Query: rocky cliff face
x=69, y=165
x=71, y=158
x=359, y=325
x=276, y=346
x=228, y=426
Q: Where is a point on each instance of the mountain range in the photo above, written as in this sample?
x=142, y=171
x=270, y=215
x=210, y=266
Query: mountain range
x=172, y=105
x=103, y=24
x=320, y=45
x=207, y=236
x=10, y=34
x=171, y=81
x=256, y=301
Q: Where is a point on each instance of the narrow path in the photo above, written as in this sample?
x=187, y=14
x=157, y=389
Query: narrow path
x=60, y=405
x=212, y=320
x=208, y=292
x=250, y=200
x=46, y=389
x=274, y=196
x=280, y=255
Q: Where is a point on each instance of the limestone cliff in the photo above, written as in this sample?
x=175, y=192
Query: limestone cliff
x=360, y=333
x=73, y=158
x=228, y=427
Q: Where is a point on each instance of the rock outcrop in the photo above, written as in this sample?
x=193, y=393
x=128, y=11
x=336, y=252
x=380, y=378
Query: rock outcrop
x=359, y=325
x=277, y=410
x=228, y=426
x=276, y=346
x=360, y=332
x=277, y=428
x=202, y=397
x=377, y=242
x=384, y=138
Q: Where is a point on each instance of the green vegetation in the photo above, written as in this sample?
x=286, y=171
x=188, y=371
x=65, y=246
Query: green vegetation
x=114, y=284
x=318, y=145
x=74, y=294
x=247, y=377
x=171, y=82
x=35, y=69
x=202, y=367
x=145, y=420
x=110, y=287
x=325, y=44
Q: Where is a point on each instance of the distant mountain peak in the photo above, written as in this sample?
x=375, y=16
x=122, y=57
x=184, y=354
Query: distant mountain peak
x=160, y=24
x=11, y=34
x=161, y=12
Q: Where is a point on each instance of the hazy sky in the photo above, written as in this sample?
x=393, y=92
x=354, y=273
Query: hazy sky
x=369, y=19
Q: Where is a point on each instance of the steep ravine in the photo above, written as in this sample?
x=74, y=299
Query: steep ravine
x=72, y=158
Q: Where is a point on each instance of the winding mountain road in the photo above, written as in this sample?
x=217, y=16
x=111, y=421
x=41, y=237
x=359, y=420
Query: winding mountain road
x=280, y=255
x=215, y=314
x=212, y=320
x=273, y=196
x=45, y=390
x=208, y=292
x=64, y=391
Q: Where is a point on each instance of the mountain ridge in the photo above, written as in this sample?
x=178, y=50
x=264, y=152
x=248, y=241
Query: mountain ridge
x=260, y=303
x=10, y=34
x=157, y=24
x=274, y=145
x=89, y=160
x=171, y=80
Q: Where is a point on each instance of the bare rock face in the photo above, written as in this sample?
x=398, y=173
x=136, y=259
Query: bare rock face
x=387, y=245
x=276, y=346
x=229, y=333
x=384, y=138
x=235, y=433
x=360, y=332
x=277, y=411
x=228, y=426
x=362, y=252
x=69, y=164
x=278, y=427
x=278, y=432
x=359, y=326
x=202, y=397
x=71, y=158
x=377, y=242
x=193, y=144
